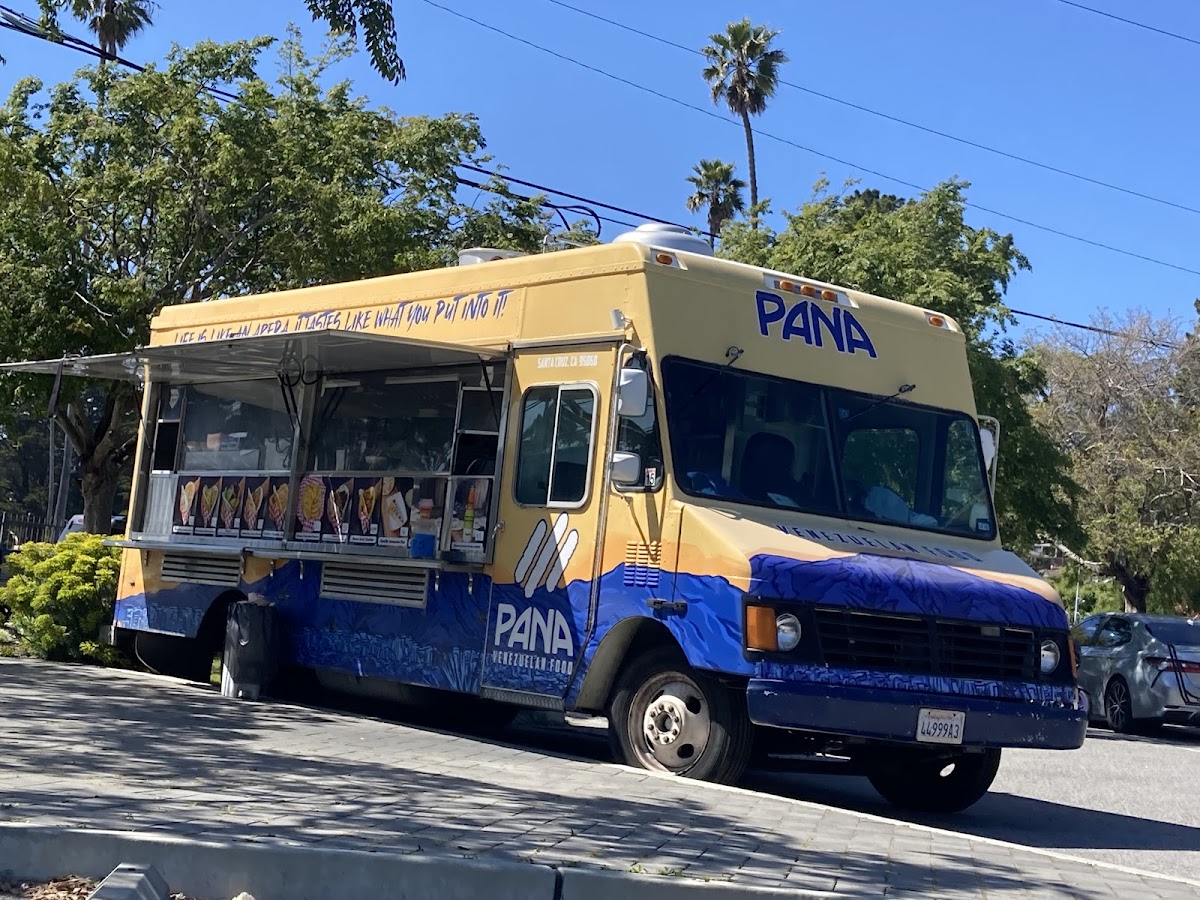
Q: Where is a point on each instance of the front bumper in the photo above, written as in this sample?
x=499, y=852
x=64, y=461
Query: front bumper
x=891, y=715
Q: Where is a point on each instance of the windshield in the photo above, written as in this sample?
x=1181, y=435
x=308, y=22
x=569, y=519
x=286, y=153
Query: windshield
x=790, y=445
x=1176, y=631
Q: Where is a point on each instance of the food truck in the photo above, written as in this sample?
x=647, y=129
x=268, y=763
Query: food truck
x=729, y=508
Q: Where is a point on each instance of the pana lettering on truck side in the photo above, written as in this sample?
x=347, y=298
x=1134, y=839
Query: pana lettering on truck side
x=808, y=321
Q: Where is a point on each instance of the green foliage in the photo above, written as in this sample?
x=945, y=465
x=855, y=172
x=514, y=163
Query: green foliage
x=719, y=190
x=923, y=252
x=115, y=21
x=743, y=73
x=60, y=596
x=1120, y=400
x=1096, y=595
x=164, y=194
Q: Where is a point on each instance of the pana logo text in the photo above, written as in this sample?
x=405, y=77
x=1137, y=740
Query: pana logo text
x=809, y=322
x=533, y=630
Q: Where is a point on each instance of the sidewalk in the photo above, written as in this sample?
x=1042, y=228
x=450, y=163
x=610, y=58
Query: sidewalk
x=100, y=749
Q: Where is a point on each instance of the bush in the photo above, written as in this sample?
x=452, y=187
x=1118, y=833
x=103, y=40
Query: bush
x=60, y=596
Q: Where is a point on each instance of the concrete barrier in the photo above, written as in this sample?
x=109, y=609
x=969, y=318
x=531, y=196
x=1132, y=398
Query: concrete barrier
x=223, y=869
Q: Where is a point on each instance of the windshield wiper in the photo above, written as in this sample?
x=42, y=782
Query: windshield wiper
x=903, y=389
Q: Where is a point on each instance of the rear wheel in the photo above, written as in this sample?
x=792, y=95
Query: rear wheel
x=667, y=717
x=935, y=782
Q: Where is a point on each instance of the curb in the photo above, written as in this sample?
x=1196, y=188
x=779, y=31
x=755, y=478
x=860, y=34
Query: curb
x=223, y=869
x=268, y=871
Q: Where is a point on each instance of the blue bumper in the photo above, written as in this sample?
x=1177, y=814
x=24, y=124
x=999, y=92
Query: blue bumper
x=891, y=715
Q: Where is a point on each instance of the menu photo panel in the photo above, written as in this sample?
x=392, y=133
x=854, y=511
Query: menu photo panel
x=277, y=503
x=365, y=499
x=187, y=497
x=339, y=510
x=254, y=506
x=310, y=507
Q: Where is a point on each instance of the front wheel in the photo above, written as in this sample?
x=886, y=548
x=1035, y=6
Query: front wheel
x=1118, y=707
x=667, y=717
x=935, y=782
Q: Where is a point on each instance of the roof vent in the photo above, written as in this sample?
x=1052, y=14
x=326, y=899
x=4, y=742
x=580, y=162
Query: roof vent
x=486, y=254
x=668, y=237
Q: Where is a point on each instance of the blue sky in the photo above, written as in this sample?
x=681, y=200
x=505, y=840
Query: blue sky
x=1034, y=77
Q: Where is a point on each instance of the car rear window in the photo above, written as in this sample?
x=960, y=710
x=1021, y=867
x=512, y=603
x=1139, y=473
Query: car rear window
x=1181, y=632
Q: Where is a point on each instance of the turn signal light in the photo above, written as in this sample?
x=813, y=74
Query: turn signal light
x=761, y=633
x=665, y=259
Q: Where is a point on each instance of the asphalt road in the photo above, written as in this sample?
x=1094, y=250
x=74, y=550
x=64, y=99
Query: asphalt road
x=1129, y=801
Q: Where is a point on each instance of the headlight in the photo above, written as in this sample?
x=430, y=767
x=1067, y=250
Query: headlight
x=1050, y=656
x=787, y=631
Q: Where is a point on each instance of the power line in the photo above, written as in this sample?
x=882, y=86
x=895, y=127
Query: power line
x=1135, y=24
x=23, y=24
x=1096, y=329
x=967, y=142
x=791, y=143
x=620, y=209
x=1016, y=312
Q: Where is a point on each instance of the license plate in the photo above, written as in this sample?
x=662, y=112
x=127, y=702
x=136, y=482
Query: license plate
x=940, y=726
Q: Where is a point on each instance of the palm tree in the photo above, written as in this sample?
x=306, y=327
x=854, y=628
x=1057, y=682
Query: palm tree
x=113, y=22
x=743, y=71
x=719, y=190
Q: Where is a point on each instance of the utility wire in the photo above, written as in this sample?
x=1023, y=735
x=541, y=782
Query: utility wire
x=1135, y=24
x=1020, y=313
x=620, y=209
x=795, y=144
x=967, y=142
x=23, y=24
x=15, y=21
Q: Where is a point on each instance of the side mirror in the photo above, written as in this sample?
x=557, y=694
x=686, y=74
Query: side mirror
x=626, y=468
x=633, y=394
x=989, y=439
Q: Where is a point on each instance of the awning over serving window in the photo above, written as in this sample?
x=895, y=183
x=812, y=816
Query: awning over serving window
x=330, y=351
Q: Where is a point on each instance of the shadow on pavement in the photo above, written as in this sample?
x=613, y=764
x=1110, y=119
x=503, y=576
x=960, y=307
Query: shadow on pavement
x=115, y=750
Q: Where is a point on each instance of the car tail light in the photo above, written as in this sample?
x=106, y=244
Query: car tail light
x=1164, y=664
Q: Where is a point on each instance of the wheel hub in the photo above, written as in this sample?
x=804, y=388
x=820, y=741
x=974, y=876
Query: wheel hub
x=664, y=721
x=675, y=723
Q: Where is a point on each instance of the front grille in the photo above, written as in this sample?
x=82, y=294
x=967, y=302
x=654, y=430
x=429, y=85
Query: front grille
x=924, y=645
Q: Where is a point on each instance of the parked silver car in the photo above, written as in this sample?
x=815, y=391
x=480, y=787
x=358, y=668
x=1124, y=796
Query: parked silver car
x=1140, y=670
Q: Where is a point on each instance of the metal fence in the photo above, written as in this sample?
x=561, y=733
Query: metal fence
x=20, y=528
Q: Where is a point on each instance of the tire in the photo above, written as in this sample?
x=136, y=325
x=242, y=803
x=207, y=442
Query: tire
x=935, y=782
x=667, y=717
x=1118, y=707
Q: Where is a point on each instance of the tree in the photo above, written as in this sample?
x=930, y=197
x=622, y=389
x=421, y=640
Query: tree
x=113, y=22
x=922, y=252
x=374, y=18
x=1122, y=401
x=718, y=189
x=743, y=72
x=173, y=196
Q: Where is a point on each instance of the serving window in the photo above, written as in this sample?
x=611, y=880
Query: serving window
x=385, y=423
x=396, y=463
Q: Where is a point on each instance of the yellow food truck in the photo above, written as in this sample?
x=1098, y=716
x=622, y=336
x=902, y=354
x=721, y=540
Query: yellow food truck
x=727, y=507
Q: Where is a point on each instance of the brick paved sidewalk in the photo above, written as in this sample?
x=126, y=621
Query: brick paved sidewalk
x=98, y=748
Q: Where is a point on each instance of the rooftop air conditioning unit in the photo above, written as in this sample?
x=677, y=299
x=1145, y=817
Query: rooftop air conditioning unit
x=486, y=254
x=666, y=237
